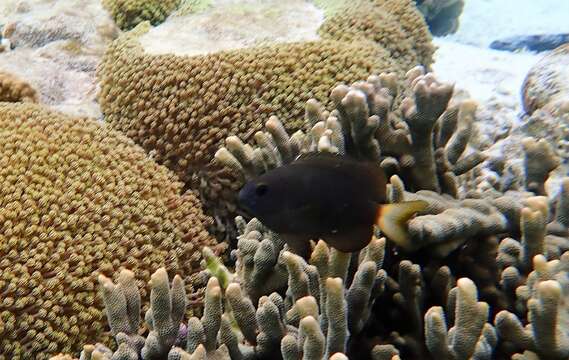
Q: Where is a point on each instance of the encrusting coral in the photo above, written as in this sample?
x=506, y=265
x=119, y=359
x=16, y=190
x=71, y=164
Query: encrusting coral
x=79, y=199
x=13, y=89
x=129, y=13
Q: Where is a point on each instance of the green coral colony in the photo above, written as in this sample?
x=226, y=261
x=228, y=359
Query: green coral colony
x=95, y=233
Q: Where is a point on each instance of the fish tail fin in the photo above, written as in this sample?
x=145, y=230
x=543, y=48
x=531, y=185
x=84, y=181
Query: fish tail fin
x=392, y=220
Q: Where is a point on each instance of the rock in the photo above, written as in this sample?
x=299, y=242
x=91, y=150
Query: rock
x=536, y=43
x=442, y=16
x=546, y=85
x=56, y=46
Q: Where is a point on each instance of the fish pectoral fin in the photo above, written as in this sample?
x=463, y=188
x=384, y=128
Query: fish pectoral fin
x=298, y=244
x=392, y=220
x=350, y=240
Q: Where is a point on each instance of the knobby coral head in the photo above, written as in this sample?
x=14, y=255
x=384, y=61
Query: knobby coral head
x=77, y=200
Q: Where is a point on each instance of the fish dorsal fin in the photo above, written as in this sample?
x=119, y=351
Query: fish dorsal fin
x=318, y=155
x=362, y=167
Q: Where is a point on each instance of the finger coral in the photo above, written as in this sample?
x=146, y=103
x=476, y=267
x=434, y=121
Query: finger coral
x=129, y=13
x=539, y=161
x=546, y=335
x=13, y=89
x=338, y=305
x=80, y=200
x=470, y=337
x=324, y=306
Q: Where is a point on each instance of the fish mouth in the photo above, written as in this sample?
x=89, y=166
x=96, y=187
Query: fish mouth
x=244, y=205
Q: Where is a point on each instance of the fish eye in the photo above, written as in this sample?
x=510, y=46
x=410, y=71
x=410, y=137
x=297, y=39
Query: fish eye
x=261, y=189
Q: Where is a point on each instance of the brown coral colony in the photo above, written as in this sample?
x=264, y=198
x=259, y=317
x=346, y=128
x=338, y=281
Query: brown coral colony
x=79, y=199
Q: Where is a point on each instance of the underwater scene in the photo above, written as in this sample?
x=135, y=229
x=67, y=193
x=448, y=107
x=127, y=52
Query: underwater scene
x=284, y=179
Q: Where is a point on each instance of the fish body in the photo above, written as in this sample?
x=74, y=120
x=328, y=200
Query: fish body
x=537, y=43
x=323, y=196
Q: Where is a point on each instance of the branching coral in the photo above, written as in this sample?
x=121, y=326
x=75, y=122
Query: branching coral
x=546, y=297
x=470, y=337
x=364, y=125
x=129, y=13
x=552, y=126
x=326, y=307
x=539, y=161
x=79, y=199
x=13, y=89
x=313, y=321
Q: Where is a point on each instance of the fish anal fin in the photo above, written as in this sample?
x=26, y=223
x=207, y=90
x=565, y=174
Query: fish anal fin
x=392, y=220
x=350, y=240
x=298, y=244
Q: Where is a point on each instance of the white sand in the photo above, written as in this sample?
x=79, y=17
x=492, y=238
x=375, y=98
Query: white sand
x=492, y=77
x=483, y=21
x=489, y=75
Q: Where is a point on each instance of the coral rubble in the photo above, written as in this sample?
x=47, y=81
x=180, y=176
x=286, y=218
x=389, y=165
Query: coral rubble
x=79, y=199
